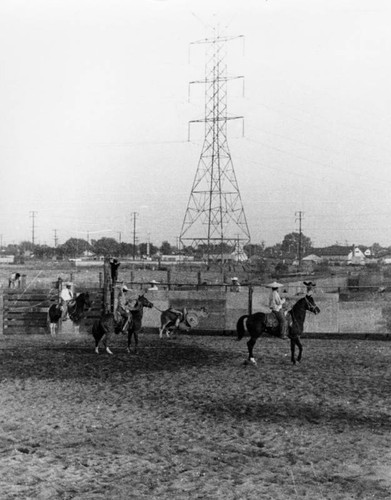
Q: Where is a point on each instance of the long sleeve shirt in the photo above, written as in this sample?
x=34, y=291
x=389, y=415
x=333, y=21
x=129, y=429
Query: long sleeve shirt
x=275, y=301
x=66, y=295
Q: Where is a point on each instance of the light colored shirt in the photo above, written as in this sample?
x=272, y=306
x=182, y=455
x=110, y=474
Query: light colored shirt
x=66, y=294
x=275, y=301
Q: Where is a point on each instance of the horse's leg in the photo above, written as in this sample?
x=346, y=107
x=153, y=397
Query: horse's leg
x=250, y=346
x=299, y=345
x=106, y=341
x=97, y=340
x=135, y=341
x=129, y=340
x=293, y=342
x=76, y=328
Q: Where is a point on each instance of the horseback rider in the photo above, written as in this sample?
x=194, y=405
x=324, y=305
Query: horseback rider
x=180, y=315
x=124, y=309
x=66, y=296
x=275, y=304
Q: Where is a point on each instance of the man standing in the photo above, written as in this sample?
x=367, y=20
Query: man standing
x=235, y=286
x=114, y=265
x=275, y=304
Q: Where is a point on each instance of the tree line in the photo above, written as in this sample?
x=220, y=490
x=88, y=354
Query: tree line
x=292, y=246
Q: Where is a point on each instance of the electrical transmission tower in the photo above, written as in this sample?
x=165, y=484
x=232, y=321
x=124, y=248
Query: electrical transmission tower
x=215, y=217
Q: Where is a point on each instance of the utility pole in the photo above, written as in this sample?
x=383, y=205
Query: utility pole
x=55, y=238
x=33, y=213
x=119, y=237
x=148, y=244
x=134, y=215
x=299, y=216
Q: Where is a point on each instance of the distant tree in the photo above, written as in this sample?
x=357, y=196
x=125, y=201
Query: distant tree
x=376, y=249
x=74, y=247
x=106, y=246
x=166, y=248
x=257, y=249
x=143, y=249
x=290, y=244
x=273, y=252
x=44, y=251
x=26, y=246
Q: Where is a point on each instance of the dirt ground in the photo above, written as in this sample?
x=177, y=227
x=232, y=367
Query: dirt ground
x=186, y=419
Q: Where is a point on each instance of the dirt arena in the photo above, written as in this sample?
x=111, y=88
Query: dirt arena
x=186, y=419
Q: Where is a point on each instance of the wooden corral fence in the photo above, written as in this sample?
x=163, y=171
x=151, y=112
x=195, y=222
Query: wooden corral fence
x=25, y=311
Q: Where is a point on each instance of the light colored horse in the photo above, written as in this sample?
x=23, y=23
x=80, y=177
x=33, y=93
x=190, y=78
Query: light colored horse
x=187, y=319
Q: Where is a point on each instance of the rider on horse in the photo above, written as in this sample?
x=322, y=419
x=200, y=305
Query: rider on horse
x=275, y=304
x=66, y=296
x=124, y=309
x=181, y=315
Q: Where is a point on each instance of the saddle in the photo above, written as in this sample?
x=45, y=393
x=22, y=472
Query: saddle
x=271, y=321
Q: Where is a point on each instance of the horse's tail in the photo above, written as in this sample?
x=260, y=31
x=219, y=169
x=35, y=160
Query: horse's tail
x=240, y=326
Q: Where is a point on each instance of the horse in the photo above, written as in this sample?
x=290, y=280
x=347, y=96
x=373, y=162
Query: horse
x=188, y=320
x=134, y=326
x=76, y=308
x=257, y=324
x=102, y=329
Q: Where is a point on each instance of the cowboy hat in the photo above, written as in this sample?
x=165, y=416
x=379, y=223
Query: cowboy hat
x=309, y=283
x=234, y=279
x=68, y=283
x=124, y=288
x=274, y=285
x=154, y=282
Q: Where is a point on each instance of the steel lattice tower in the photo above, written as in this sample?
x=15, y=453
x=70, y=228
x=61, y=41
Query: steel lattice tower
x=215, y=216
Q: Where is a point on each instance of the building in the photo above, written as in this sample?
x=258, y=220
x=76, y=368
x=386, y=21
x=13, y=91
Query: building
x=337, y=255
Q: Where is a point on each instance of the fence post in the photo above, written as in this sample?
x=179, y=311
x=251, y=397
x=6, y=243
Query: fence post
x=169, y=279
x=1, y=312
x=250, y=299
x=107, y=286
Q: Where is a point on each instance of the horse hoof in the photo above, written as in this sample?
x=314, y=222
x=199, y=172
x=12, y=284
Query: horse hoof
x=96, y=351
x=108, y=351
x=251, y=362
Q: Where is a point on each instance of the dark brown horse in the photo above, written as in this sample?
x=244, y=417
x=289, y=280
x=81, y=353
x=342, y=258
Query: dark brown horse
x=259, y=323
x=102, y=330
x=106, y=325
x=134, y=326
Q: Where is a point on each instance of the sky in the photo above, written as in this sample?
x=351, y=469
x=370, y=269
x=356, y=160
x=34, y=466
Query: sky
x=94, y=113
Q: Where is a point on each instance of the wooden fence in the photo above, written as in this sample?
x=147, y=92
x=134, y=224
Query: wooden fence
x=24, y=311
